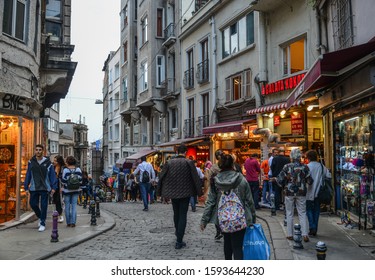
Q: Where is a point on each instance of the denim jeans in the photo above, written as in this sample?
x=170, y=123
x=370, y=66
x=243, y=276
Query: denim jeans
x=180, y=209
x=145, y=190
x=267, y=187
x=313, y=212
x=193, y=202
x=254, y=186
x=70, y=200
x=41, y=212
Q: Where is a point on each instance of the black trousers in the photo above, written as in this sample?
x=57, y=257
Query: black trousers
x=57, y=201
x=180, y=209
x=233, y=245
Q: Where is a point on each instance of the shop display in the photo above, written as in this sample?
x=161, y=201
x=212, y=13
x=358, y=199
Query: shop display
x=355, y=167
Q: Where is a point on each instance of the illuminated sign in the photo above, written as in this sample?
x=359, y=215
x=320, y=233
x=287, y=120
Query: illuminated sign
x=284, y=84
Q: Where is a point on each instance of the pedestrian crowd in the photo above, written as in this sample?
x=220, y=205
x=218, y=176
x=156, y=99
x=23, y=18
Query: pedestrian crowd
x=231, y=192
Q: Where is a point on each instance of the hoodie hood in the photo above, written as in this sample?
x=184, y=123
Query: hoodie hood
x=227, y=180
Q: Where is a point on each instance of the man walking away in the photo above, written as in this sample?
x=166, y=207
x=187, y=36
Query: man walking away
x=121, y=181
x=266, y=184
x=146, y=175
x=179, y=181
x=276, y=166
x=40, y=180
x=252, y=168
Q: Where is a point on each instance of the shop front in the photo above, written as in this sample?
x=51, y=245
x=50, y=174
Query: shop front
x=299, y=126
x=17, y=134
x=235, y=138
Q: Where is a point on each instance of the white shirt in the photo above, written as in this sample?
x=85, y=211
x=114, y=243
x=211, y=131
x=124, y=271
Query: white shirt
x=145, y=166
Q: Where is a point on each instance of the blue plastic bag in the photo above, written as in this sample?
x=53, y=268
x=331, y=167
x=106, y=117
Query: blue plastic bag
x=255, y=244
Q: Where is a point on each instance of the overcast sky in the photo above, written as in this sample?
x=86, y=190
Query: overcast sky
x=95, y=32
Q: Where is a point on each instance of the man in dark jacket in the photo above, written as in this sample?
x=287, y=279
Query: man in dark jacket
x=179, y=180
x=40, y=180
x=276, y=166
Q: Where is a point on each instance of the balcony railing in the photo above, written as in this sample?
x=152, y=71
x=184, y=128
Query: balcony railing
x=199, y=4
x=169, y=35
x=189, y=78
x=202, y=71
x=189, y=128
x=201, y=123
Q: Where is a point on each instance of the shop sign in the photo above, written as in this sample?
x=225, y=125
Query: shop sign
x=276, y=120
x=15, y=103
x=284, y=84
x=297, y=123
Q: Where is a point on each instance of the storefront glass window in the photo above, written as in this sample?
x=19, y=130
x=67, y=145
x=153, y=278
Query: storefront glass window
x=354, y=141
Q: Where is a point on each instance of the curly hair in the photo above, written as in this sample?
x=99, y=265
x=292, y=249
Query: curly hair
x=70, y=160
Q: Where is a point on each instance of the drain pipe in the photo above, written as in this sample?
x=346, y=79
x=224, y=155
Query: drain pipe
x=214, y=71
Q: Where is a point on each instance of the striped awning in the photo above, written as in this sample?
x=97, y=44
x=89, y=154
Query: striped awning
x=273, y=107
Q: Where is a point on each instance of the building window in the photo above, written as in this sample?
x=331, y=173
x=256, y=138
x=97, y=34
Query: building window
x=54, y=147
x=238, y=86
x=342, y=23
x=117, y=71
x=54, y=21
x=143, y=79
x=294, y=57
x=125, y=88
x=117, y=101
x=124, y=16
x=239, y=35
x=136, y=135
x=159, y=23
x=144, y=35
x=127, y=135
x=117, y=132
x=110, y=133
x=125, y=51
x=14, y=19
x=189, y=73
x=160, y=70
x=174, y=118
x=189, y=122
x=203, y=67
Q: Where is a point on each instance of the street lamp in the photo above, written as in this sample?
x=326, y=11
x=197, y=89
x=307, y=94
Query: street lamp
x=98, y=101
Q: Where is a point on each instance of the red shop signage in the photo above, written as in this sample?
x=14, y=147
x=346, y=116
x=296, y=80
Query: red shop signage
x=284, y=84
x=276, y=120
x=297, y=123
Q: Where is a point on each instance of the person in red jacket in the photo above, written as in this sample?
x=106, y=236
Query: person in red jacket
x=252, y=168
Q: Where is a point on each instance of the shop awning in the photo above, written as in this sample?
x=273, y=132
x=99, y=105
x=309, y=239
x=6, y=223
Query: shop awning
x=273, y=107
x=233, y=126
x=134, y=157
x=329, y=66
x=186, y=141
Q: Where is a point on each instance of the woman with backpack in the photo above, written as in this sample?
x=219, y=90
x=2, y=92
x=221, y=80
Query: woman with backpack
x=230, y=186
x=59, y=165
x=71, y=181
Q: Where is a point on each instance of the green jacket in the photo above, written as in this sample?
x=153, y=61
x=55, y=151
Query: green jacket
x=225, y=181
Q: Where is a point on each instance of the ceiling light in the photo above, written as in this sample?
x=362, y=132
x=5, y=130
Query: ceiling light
x=282, y=112
x=271, y=115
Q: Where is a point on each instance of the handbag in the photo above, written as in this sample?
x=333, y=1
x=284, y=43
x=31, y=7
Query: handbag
x=325, y=193
x=255, y=244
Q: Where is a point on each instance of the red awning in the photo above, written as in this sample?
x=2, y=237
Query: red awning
x=187, y=141
x=329, y=66
x=273, y=107
x=233, y=126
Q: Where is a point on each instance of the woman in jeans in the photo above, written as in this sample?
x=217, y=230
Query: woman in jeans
x=59, y=165
x=71, y=195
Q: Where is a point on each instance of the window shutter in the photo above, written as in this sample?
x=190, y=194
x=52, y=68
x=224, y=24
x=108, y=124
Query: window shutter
x=227, y=90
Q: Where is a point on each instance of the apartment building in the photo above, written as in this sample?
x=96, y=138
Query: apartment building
x=35, y=73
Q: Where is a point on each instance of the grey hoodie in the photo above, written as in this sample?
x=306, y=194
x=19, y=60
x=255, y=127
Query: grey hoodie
x=225, y=181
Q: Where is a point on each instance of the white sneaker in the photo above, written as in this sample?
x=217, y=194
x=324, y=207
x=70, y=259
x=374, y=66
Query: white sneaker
x=42, y=228
x=61, y=219
x=39, y=223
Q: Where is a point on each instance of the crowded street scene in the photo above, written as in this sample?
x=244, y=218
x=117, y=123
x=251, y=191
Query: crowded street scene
x=187, y=130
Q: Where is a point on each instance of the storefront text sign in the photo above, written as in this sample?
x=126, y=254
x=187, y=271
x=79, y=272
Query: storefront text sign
x=284, y=84
x=15, y=103
x=297, y=123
